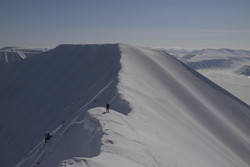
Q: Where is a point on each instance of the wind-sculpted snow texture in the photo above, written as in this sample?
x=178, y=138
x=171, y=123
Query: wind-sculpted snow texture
x=162, y=112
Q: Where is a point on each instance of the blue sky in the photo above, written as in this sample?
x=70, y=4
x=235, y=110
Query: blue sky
x=156, y=23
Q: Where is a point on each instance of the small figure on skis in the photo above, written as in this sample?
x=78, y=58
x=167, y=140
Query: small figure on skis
x=107, y=108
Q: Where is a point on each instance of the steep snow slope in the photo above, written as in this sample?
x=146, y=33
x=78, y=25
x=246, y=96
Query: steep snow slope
x=163, y=113
x=200, y=120
x=38, y=94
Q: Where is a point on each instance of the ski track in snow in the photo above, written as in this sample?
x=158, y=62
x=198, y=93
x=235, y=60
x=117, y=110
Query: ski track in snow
x=6, y=57
x=21, y=54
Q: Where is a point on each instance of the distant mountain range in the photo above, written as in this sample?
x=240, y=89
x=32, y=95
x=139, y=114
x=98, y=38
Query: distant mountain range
x=13, y=54
x=214, y=58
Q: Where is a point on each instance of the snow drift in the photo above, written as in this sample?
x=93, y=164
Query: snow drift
x=162, y=112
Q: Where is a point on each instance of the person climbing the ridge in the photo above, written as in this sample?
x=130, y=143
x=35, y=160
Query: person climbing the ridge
x=47, y=136
x=107, y=108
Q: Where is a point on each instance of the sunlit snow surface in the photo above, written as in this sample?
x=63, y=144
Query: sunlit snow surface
x=162, y=112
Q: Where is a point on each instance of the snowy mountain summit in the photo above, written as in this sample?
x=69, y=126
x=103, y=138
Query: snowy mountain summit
x=162, y=113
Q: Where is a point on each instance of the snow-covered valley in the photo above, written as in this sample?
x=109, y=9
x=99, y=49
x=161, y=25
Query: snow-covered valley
x=163, y=113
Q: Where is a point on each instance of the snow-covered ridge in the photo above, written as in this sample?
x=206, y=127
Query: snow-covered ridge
x=162, y=112
x=38, y=94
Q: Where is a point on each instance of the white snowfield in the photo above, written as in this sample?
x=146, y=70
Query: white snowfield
x=162, y=114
